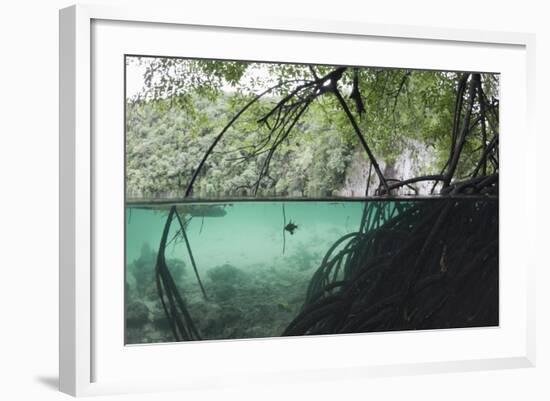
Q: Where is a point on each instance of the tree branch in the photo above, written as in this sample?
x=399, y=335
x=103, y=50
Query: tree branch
x=222, y=132
x=457, y=149
x=362, y=139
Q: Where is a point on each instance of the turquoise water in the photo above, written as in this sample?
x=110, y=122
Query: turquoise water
x=248, y=234
x=254, y=288
x=246, y=269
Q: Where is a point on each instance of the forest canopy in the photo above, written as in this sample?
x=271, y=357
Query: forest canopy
x=211, y=128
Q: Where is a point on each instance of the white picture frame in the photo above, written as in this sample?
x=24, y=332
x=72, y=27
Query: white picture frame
x=93, y=358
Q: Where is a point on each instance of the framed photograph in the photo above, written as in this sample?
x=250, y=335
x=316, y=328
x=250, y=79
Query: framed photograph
x=278, y=200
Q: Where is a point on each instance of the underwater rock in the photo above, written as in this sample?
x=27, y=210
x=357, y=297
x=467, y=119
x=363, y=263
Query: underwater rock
x=151, y=292
x=143, y=268
x=221, y=322
x=176, y=268
x=161, y=323
x=263, y=313
x=230, y=315
x=255, y=332
x=137, y=314
x=226, y=273
x=210, y=316
x=130, y=295
x=141, y=275
x=155, y=336
x=147, y=256
x=198, y=308
x=223, y=291
x=227, y=281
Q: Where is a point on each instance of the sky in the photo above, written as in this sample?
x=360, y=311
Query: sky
x=135, y=78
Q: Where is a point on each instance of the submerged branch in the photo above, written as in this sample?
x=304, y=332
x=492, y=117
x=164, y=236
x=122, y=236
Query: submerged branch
x=183, y=231
x=171, y=300
x=284, y=229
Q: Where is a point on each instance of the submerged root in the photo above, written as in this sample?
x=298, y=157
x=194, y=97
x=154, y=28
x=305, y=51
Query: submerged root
x=173, y=304
x=420, y=265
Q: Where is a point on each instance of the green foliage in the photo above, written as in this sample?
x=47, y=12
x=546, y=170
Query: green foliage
x=164, y=146
x=186, y=103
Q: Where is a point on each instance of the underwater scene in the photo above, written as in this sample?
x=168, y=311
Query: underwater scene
x=251, y=269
